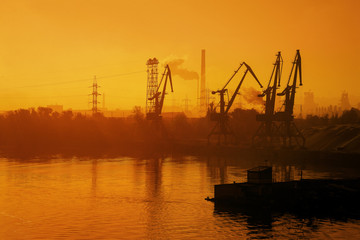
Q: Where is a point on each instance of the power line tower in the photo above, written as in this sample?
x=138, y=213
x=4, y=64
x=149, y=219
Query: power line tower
x=344, y=101
x=95, y=94
x=152, y=84
x=186, y=103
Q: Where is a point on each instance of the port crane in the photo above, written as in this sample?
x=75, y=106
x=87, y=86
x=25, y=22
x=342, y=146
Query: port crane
x=158, y=97
x=222, y=127
x=267, y=133
x=287, y=128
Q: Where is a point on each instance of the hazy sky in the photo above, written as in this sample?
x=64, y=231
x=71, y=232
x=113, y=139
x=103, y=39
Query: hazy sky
x=50, y=50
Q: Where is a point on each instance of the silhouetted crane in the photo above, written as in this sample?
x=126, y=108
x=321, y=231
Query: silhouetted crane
x=222, y=127
x=287, y=128
x=267, y=131
x=155, y=113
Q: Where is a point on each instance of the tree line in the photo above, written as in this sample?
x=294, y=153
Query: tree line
x=42, y=130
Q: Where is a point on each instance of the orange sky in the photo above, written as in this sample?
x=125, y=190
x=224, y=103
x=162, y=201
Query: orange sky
x=45, y=43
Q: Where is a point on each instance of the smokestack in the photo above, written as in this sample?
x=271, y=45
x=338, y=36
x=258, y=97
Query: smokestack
x=202, y=83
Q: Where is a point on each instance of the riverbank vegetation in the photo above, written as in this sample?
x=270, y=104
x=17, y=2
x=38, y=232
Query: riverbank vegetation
x=42, y=129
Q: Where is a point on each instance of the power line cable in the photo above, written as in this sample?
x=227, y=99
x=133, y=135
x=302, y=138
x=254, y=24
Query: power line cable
x=78, y=80
x=43, y=97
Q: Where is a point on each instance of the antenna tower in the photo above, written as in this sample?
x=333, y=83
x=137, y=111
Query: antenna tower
x=95, y=94
x=152, y=84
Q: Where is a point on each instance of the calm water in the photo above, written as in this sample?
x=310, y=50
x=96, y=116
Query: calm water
x=128, y=198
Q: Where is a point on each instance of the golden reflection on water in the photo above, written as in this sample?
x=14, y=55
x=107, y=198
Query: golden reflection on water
x=128, y=198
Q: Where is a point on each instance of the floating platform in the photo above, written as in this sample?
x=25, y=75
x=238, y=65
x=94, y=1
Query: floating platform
x=338, y=195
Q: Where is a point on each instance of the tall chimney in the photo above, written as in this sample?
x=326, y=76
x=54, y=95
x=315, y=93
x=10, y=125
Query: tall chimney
x=202, y=86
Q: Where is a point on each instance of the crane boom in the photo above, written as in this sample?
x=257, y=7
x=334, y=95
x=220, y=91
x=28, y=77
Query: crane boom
x=235, y=72
x=167, y=74
x=248, y=69
x=270, y=91
x=297, y=63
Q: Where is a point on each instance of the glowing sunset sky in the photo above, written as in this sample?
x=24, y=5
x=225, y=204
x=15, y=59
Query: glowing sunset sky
x=50, y=50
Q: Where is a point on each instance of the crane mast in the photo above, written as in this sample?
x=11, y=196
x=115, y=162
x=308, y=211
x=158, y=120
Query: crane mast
x=266, y=133
x=287, y=128
x=278, y=128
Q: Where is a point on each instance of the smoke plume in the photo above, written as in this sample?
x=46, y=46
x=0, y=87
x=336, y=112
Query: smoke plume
x=177, y=69
x=250, y=95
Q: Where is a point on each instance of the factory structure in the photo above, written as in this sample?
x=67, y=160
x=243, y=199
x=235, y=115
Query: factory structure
x=204, y=100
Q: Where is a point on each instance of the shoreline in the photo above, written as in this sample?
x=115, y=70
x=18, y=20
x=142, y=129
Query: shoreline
x=184, y=147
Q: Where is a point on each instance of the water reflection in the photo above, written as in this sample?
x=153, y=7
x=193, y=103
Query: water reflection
x=149, y=198
x=94, y=177
x=217, y=169
x=154, y=200
x=263, y=223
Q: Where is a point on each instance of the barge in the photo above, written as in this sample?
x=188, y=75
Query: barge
x=305, y=195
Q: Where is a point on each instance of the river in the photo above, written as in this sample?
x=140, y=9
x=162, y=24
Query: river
x=145, y=198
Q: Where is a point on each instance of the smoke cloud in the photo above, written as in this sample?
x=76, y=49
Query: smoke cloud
x=177, y=69
x=250, y=95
